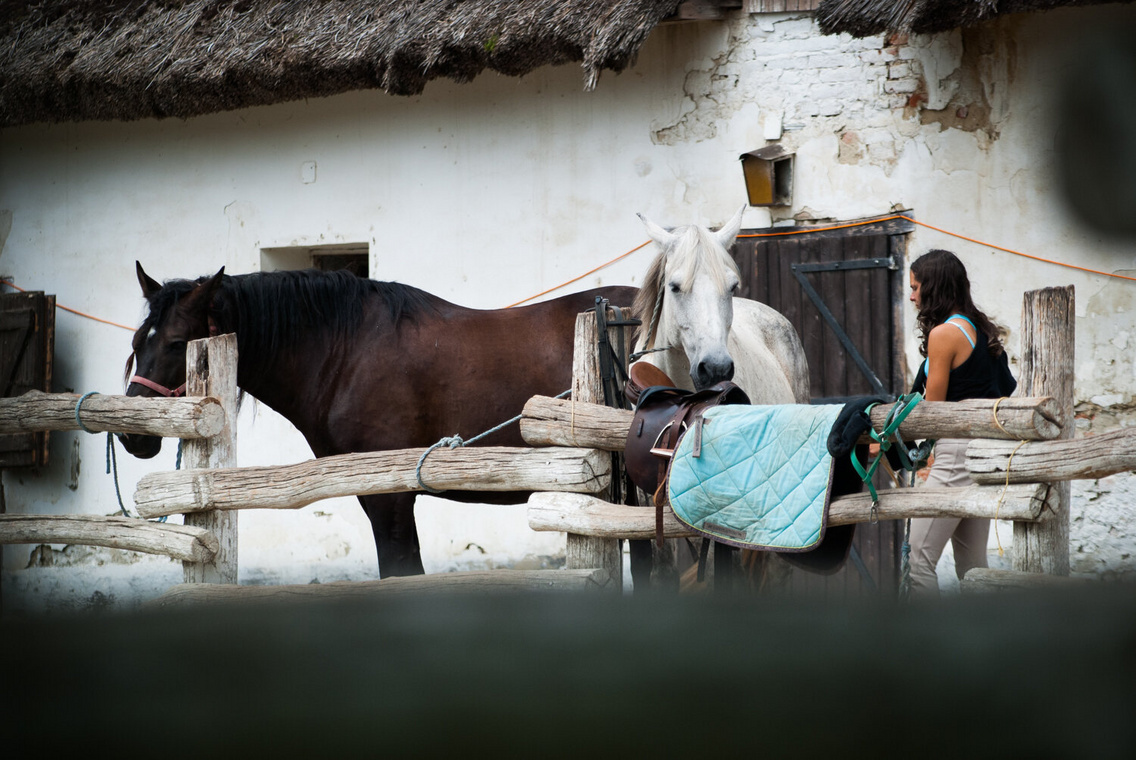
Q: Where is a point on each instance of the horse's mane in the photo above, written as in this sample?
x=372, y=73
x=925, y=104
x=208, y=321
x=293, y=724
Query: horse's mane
x=694, y=249
x=271, y=310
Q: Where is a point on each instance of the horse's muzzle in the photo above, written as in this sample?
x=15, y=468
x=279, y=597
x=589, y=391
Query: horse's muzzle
x=711, y=371
x=141, y=446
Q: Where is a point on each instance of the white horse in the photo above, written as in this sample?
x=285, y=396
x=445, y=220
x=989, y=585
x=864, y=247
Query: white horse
x=701, y=334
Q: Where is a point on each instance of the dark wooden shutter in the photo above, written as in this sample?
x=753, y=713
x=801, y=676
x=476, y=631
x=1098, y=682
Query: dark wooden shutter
x=27, y=346
x=842, y=290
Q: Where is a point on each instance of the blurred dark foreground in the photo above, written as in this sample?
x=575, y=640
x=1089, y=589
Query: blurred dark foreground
x=1032, y=676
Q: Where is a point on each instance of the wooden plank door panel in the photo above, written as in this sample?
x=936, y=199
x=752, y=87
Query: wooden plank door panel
x=864, y=300
x=27, y=344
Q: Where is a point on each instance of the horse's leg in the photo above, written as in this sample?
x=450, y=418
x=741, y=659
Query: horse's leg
x=396, y=536
x=652, y=566
x=642, y=560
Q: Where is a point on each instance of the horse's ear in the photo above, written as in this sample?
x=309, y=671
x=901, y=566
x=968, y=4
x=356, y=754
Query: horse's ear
x=150, y=286
x=657, y=233
x=729, y=231
x=214, y=282
x=202, y=296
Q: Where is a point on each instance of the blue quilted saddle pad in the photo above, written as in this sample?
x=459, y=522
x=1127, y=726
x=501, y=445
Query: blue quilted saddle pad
x=761, y=478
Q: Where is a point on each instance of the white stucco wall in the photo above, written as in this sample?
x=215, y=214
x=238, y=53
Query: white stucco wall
x=489, y=192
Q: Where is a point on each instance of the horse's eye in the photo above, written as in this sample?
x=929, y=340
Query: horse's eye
x=734, y=289
x=176, y=345
x=674, y=286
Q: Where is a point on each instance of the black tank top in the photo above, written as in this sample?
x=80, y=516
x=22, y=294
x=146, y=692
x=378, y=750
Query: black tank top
x=980, y=376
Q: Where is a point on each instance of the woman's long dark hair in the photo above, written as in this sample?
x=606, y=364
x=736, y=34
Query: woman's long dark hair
x=944, y=289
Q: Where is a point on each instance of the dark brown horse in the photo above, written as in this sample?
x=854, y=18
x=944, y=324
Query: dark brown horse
x=363, y=365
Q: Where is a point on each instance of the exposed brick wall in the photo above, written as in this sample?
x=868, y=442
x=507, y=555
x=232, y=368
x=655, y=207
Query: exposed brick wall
x=818, y=84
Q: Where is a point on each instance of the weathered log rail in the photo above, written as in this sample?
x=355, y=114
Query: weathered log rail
x=470, y=582
x=182, y=542
x=293, y=486
x=1091, y=457
x=982, y=580
x=558, y=422
x=588, y=516
x=186, y=417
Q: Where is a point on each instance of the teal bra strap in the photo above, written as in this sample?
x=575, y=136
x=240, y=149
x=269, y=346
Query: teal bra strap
x=950, y=320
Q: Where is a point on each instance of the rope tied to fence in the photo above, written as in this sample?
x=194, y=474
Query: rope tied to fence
x=456, y=441
x=78, y=406
x=998, y=422
x=111, y=456
x=111, y=459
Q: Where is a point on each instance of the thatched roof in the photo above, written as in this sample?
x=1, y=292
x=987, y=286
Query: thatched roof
x=864, y=18
x=73, y=60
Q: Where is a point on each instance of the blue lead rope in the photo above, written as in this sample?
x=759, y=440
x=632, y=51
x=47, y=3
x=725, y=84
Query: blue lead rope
x=111, y=457
x=455, y=441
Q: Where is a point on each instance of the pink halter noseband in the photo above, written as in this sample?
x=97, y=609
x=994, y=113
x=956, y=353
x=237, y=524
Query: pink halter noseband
x=178, y=391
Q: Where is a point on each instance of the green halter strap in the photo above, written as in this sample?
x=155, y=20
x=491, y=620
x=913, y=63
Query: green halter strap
x=908, y=458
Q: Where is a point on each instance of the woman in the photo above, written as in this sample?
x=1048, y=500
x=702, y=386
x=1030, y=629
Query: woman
x=965, y=359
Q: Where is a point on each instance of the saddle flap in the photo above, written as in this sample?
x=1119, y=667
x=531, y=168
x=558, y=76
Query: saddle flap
x=663, y=415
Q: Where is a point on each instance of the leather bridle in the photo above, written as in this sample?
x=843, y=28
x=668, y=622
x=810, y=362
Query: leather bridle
x=158, y=388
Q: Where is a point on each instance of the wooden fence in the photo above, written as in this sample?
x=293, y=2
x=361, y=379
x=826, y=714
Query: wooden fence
x=1021, y=461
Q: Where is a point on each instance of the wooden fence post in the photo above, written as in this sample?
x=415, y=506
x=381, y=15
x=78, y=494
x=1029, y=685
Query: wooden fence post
x=211, y=370
x=1047, y=370
x=585, y=552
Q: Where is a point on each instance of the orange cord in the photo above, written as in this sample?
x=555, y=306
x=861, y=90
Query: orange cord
x=826, y=229
x=585, y=274
x=748, y=235
x=1019, y=253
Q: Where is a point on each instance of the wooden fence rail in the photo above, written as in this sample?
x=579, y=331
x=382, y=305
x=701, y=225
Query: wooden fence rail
x=182, y=542
x=588, y=516
x=187, y=417
x=488, y=468
x=558, y=422
x=1095, y=456
x=494, y=582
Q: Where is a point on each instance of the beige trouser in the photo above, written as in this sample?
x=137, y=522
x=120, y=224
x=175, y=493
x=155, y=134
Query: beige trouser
x=929, y=535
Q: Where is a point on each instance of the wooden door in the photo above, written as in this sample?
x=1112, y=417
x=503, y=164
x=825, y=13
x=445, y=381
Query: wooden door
x=27, y=342
x=842, y=289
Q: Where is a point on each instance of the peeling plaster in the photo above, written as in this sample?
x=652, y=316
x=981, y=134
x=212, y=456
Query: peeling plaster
x=1102, y=516
x=851, y=150
x=700, y=121
x=1103, y=338
x=967, y=77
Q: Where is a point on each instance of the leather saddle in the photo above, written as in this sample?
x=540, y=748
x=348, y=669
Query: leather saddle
x=663, y=415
